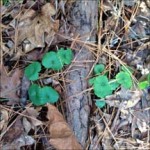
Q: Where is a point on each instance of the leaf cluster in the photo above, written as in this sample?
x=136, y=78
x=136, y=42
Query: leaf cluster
x=103, y=86
x=51, y=60
x=56, y=61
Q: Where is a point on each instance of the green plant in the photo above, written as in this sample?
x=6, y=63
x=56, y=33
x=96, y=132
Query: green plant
x=55, y=61
x=103, y=87
x=32, y=71
x=65, y=56
x=51, y=60
x=99, y=68
x=124, y=79
x=40, y=96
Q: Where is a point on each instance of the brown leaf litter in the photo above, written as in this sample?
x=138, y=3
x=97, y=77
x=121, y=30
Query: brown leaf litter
x=15, y=134
x=10, y=83
x=61, y=136
x=30, y=28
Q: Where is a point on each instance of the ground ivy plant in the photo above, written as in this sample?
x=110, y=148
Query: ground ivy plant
x=51, y=60
x=103, y=87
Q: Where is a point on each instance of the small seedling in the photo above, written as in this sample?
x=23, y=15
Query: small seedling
x=32, y=71
x=102, y=87
x=124, y=79
x=99, y=68
x=41, y=96
x=51, y=61
x=65, y=56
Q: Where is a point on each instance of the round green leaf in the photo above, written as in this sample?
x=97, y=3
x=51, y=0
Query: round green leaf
x=143, y=85
x=100, y=103
x=102, y=87
x=35, y=95
x=124, y=79
x=50, y=60
x=65, y=56
x=51, y=95
x=32, y=71
x=41, y=96
x=99, y=68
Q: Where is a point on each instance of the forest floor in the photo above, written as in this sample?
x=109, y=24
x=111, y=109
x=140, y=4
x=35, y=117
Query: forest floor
x=38, y=47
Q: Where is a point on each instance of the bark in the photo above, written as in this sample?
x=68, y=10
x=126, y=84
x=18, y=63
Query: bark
x=84, y=19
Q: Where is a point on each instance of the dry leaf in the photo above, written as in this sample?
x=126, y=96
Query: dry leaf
x=4, y=119
x=23, y=140
x=61, y=135
x=27, y=14
x=27, y=125
x=14, y=132
x=142, y=125
x=33, y=115
x=135, y=98
x=9, y=84
x=129, y=99
x=36, y=27
x=48, y=10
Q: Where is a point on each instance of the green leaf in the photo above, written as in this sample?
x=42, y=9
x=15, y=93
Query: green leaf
x=65, y=56
x=32, y=71
x=51, y=95
x=114, y=84
x=34, y=92
x=100, y=103
x=91, y=81
x=101, y=87
x=124, y=79
x=99, y=68
x=41, y=96
x=143, y=85
x=51, y=61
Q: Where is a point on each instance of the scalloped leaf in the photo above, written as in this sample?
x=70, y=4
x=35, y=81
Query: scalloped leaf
x=32, y=71
x=51, y=61
x=124, y=79
x=40, y=96
x=102, y=87
x=65, y=56
x=99, y=68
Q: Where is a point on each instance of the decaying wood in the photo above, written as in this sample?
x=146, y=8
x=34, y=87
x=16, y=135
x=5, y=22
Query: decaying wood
x=84, y=19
